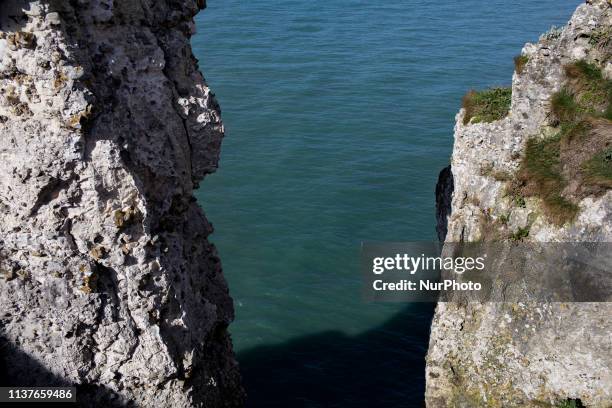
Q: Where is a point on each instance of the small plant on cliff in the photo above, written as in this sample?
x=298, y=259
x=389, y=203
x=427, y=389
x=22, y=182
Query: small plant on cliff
x=592, y=92
x=601, y=38
x=541, y=176
x=486, y=106
x=579, y=151
x=564, y=106
x=504, y=218
x=520, y=234
x=570, y=403
x=598, y=169
x=519, y=63
x=552, y=34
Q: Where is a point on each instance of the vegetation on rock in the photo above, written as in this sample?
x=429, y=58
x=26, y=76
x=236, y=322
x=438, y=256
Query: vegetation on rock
x=486, y=106
x=519, y=63
x=577, y=160
x=571, y=403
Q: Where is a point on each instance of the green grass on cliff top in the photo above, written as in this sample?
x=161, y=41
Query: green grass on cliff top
x=486, y=106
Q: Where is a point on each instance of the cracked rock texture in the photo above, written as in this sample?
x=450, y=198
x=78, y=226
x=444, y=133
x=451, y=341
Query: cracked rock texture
x=107, y=280
x=525, y=354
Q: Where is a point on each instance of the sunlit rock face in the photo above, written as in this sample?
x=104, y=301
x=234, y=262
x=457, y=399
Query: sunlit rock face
x=524, y=354
x=107, y=279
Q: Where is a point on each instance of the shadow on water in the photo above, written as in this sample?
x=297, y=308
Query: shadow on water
x=19, y=369
x=381, y=368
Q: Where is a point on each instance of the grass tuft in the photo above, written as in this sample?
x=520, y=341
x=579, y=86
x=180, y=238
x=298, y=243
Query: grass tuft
x=598, y=169
x=486, y=106
x=585, y=69
x=570, y=403
x=519, y=63
x=592, y=93
x=559, y=209
x=520, y=234
x=601, y=39
x=541, y=173
x=564, y=106
x=542, y=161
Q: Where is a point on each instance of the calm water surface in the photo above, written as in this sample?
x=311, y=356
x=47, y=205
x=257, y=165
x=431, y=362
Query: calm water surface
x=339, y=116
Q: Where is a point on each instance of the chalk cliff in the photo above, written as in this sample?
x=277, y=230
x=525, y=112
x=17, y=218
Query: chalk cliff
x=540, y=173
x=107, y=280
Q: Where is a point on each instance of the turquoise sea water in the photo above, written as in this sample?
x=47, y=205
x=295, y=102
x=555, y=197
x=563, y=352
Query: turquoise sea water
x=339, y=115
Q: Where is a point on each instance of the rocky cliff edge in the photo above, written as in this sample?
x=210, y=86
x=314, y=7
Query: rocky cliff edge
x=107, y=279
x=538, y=171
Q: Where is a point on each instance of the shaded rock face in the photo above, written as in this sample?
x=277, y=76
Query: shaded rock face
x=107, y=280
x=444, y=194
x=525, y=354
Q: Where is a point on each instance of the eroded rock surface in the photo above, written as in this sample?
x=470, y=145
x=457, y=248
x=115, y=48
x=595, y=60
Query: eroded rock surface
x=107, y=280
x=524, y=354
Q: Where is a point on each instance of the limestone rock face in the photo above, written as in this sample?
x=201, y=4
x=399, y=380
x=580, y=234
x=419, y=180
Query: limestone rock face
x=107, y=280
x=524, y=355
